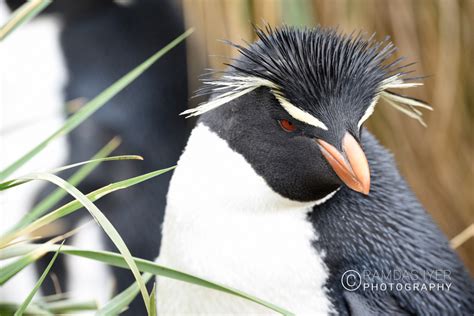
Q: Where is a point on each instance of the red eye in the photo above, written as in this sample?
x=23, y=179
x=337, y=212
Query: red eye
x=287, y=125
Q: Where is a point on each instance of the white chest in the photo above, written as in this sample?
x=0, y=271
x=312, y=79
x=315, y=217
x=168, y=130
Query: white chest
x=225, y=224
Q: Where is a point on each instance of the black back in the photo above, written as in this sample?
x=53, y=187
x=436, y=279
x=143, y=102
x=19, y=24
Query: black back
x=386, y=232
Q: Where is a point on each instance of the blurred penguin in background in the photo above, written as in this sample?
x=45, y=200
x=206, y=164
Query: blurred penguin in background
x=31, y=108
x=100, y=41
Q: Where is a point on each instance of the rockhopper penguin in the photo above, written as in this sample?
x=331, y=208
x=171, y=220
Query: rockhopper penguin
x=281, y=192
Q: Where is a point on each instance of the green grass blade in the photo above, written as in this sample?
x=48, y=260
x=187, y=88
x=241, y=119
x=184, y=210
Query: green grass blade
x=7, y=308
x=121, y=301
x=29, y=255
x=62, y=307
x=30, y=296
x=153, y=301
x=113, y=158
x=76, y=205
x=70, y=306
x=14, y=182
x=10, y=270
x=151, y=267
x=115, y=259
x=16, y=250
x=106, y=225
x=47, y=203
x=93, y=105
x=22, y=15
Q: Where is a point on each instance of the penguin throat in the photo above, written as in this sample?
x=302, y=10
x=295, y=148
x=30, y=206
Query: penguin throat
x=214, y=174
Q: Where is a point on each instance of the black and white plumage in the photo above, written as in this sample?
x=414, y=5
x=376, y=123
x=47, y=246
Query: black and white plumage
x=267, y=197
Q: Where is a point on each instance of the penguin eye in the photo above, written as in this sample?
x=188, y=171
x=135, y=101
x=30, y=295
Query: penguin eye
x=287, y=126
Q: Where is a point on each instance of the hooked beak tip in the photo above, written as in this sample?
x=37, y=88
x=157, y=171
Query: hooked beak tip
x=353, y=171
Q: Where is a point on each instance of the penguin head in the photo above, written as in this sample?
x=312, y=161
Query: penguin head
x=294, y=103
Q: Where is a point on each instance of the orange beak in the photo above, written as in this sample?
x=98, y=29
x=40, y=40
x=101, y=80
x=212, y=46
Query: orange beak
x=353, y=171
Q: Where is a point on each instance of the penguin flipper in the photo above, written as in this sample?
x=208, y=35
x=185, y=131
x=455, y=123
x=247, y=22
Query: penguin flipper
x=360, y=306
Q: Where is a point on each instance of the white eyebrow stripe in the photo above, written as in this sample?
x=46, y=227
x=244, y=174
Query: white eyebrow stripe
x=369, y=111
x=238, y=86
x=299, y=114
x=217, y=102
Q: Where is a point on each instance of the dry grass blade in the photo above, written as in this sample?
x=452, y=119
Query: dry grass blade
x=462, y=237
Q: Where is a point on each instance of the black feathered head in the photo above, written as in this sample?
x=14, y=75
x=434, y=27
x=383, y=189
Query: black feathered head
x=323, y=84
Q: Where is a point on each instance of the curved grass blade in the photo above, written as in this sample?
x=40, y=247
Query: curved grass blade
x=121, y=301
x=76, y=205
x=24, y=179
x=96, y=103
x=47, y=203
x=106, y=225
x=115, y=259
x=22, y=15
x=151, y=267
x=30, y=296
x=113, y=158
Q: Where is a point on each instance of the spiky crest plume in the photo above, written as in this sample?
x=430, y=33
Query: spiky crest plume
x=296, y=64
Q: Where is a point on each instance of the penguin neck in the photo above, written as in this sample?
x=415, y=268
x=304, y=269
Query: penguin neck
x=220, y=178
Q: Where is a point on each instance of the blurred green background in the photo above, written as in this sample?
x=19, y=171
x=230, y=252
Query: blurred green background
x=436, y=34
